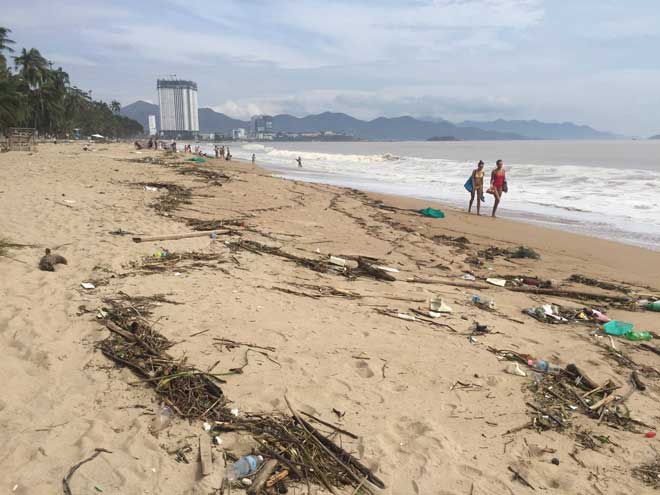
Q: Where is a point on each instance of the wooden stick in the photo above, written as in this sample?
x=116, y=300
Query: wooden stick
x=205, y=454
x=330, y=425
x=602, y=402
x=455, y=283
x=259, y=481
x=581, y=376
x=174, y=237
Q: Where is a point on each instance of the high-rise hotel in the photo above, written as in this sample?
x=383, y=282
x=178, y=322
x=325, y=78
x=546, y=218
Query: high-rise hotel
x=177, y=100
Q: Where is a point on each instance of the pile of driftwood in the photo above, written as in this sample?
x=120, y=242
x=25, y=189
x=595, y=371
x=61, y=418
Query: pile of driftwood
x=176, y=195
x=296, y=449
x=181, y=262
x=558, y=396
x=648, y=473
x=365, y=266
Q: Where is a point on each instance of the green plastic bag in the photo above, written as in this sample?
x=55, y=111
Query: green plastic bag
x=617, y=327
x=432, y=212
x=196, y=159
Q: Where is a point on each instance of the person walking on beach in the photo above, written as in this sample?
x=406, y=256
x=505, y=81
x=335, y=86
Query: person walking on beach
x=299, y=160
x=497, y=184
x=254, y=158
x=477, y=186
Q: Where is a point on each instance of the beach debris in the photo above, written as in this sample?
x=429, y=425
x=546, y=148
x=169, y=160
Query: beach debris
x=337, y=261
x=438, y=305
x=259, y=481
x=500, y=282
x=625, y=330
x=649, y=434
x=49, y=260
x=305, y=452
x=518, y=477
x=648, y=473
x=176, y=195
x=549, y=313
x=432, y=213
x=87, y=285
x=174, y=237
x=205, y=457
x=387, y=269
x=469, y=277
x=524, y=252
x=515, y=369
x=65, y=481
x=581, y=279
x=162, y=419
x=484, y=302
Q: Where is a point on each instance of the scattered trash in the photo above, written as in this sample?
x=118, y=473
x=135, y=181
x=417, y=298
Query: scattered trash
x=88, y=285
x=484, y=302
x=524, y=252
x=246, y=482
x=162, y=419
x=515, y=369
x=500, y=282
x=49, y=260
x=555, y=461
x=469, y=277
x=650, y=434
x=245, y=466
x=432, y=213
x=653, y=306
x=546, y=313
x=150, y=188
x=217, y=440
x=638, y=336
x=404, y=316
x=479, y=329
x=387, y=269
x=206, y=426
x=161, y=253
x=544, y=366
x=196, y=159
x=234, y=411
x=437, y=305
x=337, y=261
x=619, y=328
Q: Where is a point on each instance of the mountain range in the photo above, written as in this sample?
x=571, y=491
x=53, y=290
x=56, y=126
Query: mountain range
x=382, y=128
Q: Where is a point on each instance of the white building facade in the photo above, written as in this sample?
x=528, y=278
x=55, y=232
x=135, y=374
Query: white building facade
x=177, y=100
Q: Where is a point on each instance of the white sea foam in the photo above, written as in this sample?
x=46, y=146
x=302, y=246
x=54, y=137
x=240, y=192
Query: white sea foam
x=604, y=201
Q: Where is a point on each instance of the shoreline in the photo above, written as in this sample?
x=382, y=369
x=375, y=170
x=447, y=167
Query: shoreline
x=430, y=401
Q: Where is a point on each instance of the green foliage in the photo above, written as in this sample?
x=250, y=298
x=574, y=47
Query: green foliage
x=36, y=95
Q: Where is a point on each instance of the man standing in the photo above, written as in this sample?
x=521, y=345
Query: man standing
x=299, y=160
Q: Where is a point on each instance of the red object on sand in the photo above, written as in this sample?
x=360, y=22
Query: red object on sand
x=650, y=434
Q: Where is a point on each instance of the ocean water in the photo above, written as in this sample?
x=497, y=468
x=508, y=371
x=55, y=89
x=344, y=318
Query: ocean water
x=608, y=189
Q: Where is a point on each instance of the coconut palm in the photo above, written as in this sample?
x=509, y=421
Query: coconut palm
x=32, y=67
x=115, y=106
x=12, y=102
x=4, y=45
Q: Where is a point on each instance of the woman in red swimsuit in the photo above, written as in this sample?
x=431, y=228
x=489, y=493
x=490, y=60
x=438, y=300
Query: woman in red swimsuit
x=497, y=182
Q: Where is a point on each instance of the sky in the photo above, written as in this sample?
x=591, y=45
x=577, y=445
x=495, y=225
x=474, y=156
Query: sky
x=593, y=62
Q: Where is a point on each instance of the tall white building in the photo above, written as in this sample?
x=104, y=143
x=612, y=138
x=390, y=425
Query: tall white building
x=177, y=100
x=152, y=125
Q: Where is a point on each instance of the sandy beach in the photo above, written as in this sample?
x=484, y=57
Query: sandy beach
x=434, y=409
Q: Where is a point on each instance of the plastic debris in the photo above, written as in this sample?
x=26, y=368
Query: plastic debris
x=87, y=285
x=515, y=369
x=500, y=282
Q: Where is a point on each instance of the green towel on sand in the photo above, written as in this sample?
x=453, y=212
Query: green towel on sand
x=197, y=159
x=432, y=212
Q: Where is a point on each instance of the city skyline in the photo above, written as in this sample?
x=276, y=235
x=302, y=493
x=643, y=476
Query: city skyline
x=590, y=62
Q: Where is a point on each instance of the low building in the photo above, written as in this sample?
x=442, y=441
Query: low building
x=239, y=134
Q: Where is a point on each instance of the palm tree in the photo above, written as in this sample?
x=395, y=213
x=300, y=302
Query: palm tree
x=115, y=106
x=32, y=67
x=11, y=102
x=4, y=45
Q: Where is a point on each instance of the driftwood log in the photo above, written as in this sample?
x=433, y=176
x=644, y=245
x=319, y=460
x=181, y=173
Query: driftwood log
x=259, y=481
x=174, y=237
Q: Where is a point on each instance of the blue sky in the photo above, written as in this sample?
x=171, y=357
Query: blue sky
x=594, y=62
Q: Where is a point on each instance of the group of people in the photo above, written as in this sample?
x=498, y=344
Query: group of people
x=498, y=185
x=222, y=152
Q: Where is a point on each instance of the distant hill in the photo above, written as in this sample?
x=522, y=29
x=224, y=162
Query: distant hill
x=657, y=136
x=387, y=129
x=533, y=129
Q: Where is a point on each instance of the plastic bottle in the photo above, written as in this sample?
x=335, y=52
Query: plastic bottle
x=162, y=419
x=243, y=467
x=544, y=366
x=638, y=336
x=653, y=306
